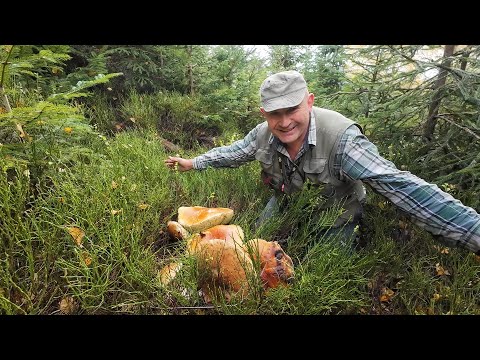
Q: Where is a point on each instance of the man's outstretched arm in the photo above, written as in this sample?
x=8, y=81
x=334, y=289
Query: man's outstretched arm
x=429, y=207
x=233, y=155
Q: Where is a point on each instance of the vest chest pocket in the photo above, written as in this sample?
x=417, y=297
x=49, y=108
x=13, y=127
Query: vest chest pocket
x=265, y=157
x=316, y=170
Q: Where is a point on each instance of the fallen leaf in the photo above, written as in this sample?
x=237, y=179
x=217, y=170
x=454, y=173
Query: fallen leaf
x=68, y=305
x=86, y=258
x=441, y=270
x=20, y=129
x=437, y=297
x=419, y=311
x=115, y=212
x=114, y=185
x=382, y=205
x=387, y=294
x=143, y=206
x=76, y=233
x=441, y=250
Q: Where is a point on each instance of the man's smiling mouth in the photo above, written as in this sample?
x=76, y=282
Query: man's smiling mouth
x=288, y=130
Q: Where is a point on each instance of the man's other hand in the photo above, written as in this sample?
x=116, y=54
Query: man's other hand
x=179, y=163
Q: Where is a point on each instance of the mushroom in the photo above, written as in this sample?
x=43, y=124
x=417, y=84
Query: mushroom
x=198, y=218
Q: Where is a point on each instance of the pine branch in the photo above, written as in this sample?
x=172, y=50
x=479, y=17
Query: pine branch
x=77, y=90
x=459, y=126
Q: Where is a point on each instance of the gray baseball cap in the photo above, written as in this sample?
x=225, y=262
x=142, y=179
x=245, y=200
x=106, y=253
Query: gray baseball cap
x=282, y=90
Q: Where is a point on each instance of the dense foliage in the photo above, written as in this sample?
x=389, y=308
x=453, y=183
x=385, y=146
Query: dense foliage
x=84, y=130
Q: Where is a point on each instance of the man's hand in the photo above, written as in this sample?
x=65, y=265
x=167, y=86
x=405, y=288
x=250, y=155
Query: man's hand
x=182, y=164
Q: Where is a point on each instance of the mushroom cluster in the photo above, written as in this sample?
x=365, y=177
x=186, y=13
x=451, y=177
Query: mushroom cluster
x=227, y=263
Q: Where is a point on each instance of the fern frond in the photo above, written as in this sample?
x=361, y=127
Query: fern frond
x=76, y=91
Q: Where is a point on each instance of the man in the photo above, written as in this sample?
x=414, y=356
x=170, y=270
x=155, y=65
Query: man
x=299, y=142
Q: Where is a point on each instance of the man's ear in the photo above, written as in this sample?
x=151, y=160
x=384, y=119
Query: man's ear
x=310, y=100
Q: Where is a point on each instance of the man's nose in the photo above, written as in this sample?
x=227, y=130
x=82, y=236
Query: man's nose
x=284, y=120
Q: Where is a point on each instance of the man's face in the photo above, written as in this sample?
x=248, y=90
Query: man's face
x=290, y=124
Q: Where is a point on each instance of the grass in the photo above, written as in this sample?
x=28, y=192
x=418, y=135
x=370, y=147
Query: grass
x=122, y=200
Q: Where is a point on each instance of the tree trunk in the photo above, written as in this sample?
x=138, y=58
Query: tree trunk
x=191, y=89
x=3, y=97
x=463, y=63
x=429, y=127
x=374, y=80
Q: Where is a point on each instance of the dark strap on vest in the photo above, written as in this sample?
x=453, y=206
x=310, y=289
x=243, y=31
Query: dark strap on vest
x=288, y=174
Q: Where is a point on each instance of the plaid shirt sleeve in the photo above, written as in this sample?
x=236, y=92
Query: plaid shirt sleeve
x=429, y=207
x=233, y=155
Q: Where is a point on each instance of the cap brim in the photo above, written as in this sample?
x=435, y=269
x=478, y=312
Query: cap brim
x=286, y=101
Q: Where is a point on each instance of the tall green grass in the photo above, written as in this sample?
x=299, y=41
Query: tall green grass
x=122, y=201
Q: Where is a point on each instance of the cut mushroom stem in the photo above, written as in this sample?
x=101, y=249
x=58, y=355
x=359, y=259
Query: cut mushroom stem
x=177, y=231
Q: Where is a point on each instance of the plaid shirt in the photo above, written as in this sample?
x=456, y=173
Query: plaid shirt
x=358, y=159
